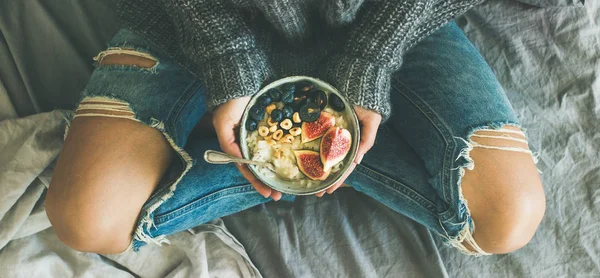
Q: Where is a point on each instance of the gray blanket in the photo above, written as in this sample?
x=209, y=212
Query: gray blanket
x=546, y=59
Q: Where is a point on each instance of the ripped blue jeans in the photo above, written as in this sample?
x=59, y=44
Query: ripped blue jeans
x=443, y=93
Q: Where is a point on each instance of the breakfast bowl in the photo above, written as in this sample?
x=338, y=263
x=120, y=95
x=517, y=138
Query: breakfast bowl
x=306, y=129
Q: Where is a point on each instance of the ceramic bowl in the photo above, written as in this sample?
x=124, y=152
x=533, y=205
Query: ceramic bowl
x=294, y=187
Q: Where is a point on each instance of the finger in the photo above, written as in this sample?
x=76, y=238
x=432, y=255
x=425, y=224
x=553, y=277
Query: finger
x=276, y=195
x=233, y=149
x=228, y=145
x=368, y=132
x=342, y=180
x=320, y=194
x=226, y=137
x=260, y=187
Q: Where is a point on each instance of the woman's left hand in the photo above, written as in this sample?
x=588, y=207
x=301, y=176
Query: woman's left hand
x=369, y=123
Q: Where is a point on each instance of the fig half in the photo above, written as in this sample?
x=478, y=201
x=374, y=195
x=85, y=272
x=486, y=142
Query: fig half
x=335, y=145
x=310, y=165
x=316, y=129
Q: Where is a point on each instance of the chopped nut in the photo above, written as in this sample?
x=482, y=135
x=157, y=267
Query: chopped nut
x=286, y=124
x=270, y=108
x=277, y=134
x=263, y=131
x=295, y=131
x=271, y=122
x=273, y=128
x=296, y=117
x=287, y=139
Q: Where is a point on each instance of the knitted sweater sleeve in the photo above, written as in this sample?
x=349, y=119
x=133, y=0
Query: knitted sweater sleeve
x=380, y=35
x=215, y=37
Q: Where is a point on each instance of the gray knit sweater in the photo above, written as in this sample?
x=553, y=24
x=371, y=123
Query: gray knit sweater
x=237, y=46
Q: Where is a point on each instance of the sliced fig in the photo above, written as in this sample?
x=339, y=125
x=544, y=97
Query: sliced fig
x=335, y=145
x=310, y=165
x=316, y=129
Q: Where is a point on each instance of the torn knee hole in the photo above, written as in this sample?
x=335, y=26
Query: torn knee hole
x=506, y=138
x=106, y=107
x=126, y=57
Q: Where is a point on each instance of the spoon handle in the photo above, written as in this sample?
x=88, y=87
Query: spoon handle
x=216, y=157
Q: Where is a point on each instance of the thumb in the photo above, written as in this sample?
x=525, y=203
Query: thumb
x=226, y=135
x=368, y=132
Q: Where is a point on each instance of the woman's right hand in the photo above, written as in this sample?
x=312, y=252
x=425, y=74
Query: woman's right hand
x=226, y=119
x=369, y=123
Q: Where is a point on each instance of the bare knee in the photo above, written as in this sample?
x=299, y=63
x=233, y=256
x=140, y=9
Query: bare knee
x=85, y=229
x=103, y=176
x=504, y=193
x=505, y=231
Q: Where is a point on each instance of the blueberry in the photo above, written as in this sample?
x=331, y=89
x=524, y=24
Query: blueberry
x=288, y=111
x=264, y=100
x=310, y=112
x=287, y=97
x=288, y=87
x=336, y=103
x=251, y=125
x=257, y=112
x=276, y=115
x=319, y=97
x=274, y=94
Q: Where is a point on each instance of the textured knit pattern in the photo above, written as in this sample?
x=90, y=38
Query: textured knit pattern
x=237, y=46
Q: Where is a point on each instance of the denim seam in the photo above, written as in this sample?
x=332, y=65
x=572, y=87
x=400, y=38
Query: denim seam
x=162, y=219
x=396, y=185
x=448, y=214
x=444, y=131
x=175, y=113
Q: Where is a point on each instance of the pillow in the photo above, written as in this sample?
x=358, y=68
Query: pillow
x=553, y=3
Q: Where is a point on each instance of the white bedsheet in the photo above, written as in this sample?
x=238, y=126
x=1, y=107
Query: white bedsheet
x=29, y=247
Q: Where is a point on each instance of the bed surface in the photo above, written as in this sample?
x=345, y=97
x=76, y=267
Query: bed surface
x=547, y=60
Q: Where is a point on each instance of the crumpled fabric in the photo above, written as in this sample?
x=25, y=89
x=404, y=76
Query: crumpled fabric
x=29, y=246
x=547, y=60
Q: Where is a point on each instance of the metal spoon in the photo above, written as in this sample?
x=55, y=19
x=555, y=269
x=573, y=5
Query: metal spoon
x=215, y=157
